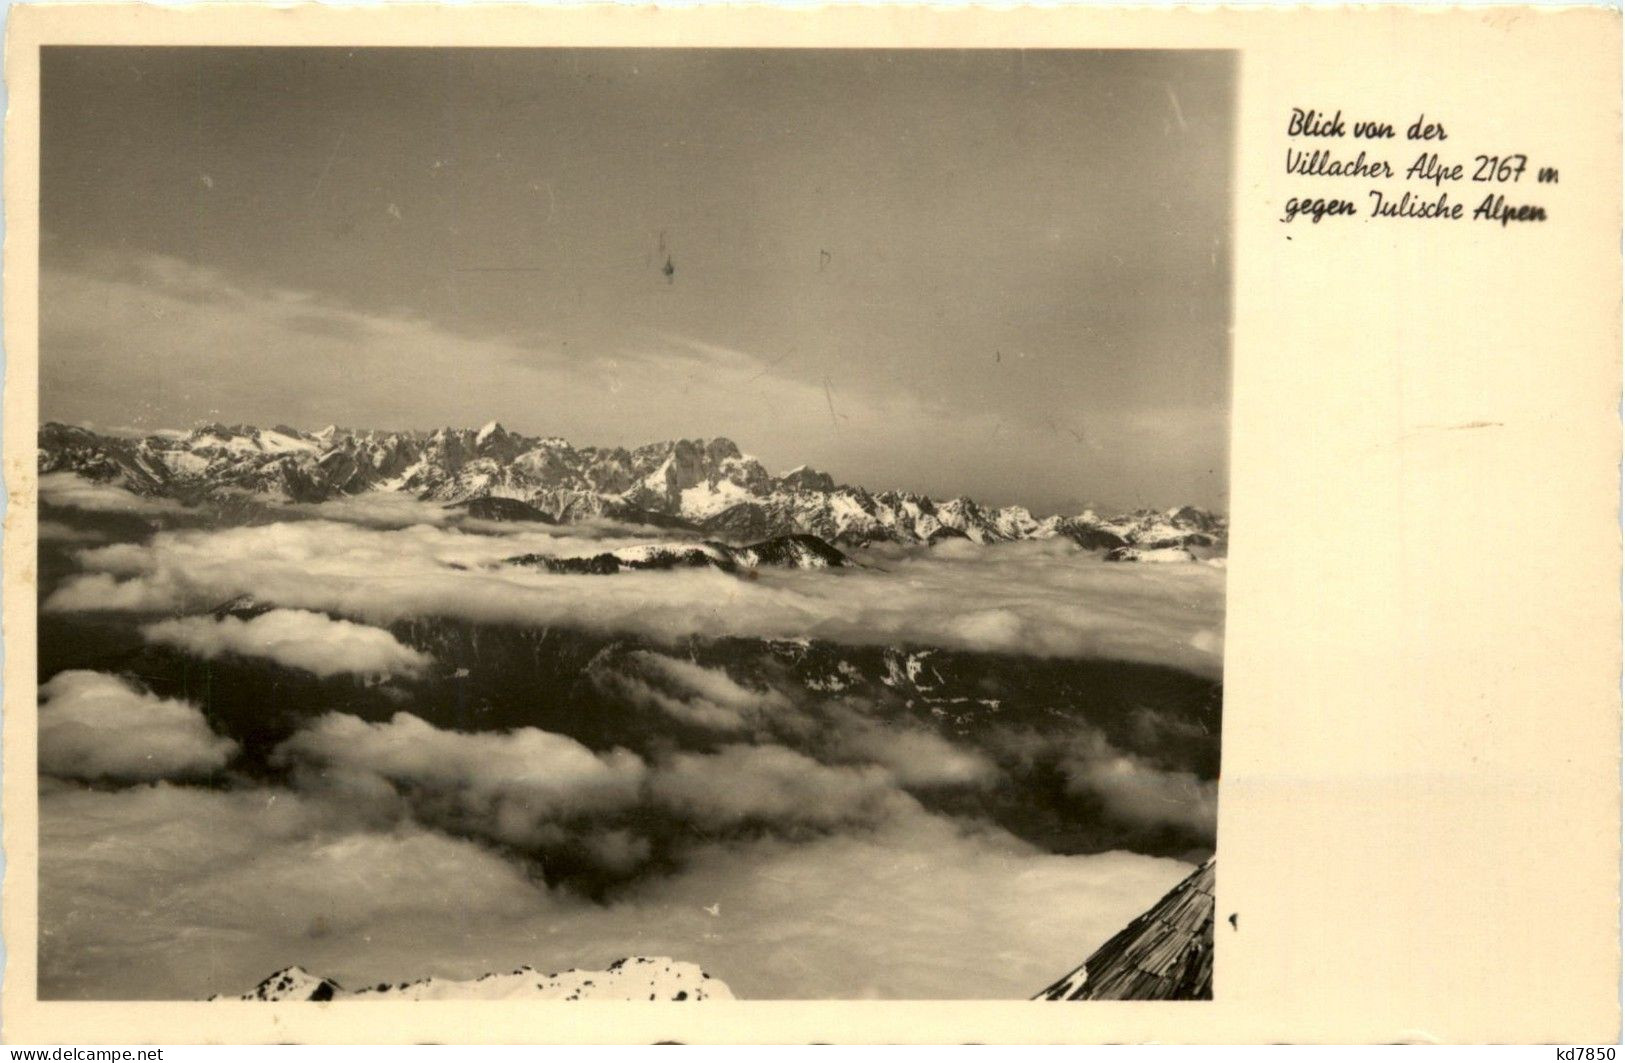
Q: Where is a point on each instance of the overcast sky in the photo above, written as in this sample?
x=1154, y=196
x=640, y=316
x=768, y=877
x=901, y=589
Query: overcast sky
x=1003, y=274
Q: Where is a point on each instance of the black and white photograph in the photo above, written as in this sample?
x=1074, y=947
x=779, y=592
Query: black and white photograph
x=637, y=524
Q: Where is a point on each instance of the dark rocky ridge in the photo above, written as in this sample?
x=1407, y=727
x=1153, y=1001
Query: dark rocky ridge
x=502, y=509
x=784, y=551
x=1164, y=954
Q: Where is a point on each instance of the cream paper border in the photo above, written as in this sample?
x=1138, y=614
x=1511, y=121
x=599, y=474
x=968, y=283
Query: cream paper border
x=1419, y=816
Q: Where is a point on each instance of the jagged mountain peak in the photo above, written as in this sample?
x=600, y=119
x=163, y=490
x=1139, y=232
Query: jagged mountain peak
x=292, y=983
x=490, y=434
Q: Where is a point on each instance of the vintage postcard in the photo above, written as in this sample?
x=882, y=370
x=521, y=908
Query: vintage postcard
x=752, y=525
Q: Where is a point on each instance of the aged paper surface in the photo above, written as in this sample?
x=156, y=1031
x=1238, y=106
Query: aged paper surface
x=1419, y=819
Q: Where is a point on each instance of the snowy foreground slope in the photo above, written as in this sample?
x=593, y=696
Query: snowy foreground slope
x=655, y=978
x=705, y=486
x=1164, y=954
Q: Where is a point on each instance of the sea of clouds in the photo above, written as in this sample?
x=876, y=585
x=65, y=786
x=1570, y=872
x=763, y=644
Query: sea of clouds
x=1046, y=598
x=808, y=866
x=388, y=854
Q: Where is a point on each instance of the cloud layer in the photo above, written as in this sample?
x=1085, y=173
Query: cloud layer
x=920, y=758
x=548, y=794
x=201, y=890
x=1041, y=598
x=1136, y=791
x=513, y=787
x=741, y=785
x=72, y=491
x=293, y=638
x=56, y=531
x=98, y=726
x=690, y=693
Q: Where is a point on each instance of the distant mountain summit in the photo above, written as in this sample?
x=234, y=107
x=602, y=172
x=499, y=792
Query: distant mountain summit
x=704, y=486
x=635, y=978
x=292, y=983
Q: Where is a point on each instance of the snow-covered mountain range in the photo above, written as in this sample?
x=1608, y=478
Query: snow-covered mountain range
x=705, y=486
x=655, y=978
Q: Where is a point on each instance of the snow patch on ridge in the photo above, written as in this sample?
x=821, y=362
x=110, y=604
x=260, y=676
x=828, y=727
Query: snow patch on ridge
x=647, y=978
x=706, y=500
